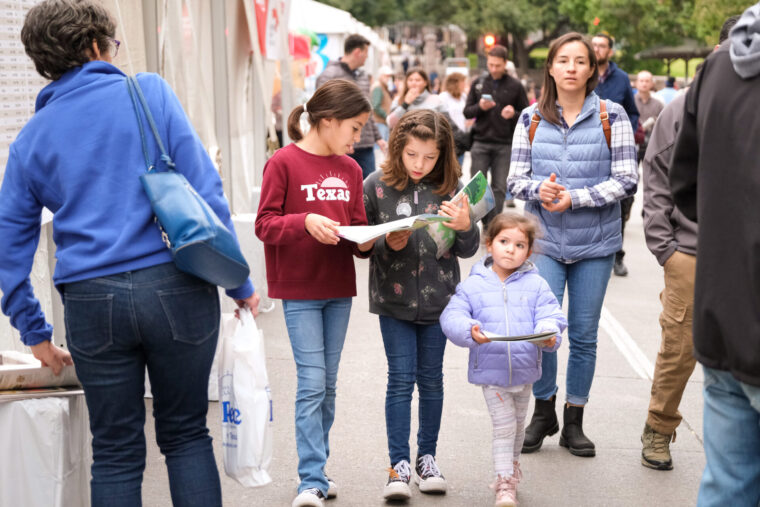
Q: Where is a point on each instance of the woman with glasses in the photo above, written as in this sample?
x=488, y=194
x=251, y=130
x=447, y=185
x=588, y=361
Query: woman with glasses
x=126, y=305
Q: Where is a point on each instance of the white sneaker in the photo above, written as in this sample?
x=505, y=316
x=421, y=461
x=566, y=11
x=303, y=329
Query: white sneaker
x=332, y=488
x=311, y=497
x=397, y=487
x=427, y=476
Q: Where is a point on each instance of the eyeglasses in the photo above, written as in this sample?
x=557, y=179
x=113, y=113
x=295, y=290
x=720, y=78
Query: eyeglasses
x=114, y=49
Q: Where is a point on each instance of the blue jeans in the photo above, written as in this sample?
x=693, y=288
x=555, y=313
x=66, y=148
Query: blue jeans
x=732, y=442
x=317, y=330
x=586, y=282
x=365, y=157
x=415, y=355
x=117, y=325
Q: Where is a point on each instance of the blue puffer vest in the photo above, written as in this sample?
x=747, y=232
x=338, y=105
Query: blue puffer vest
x=580, y=158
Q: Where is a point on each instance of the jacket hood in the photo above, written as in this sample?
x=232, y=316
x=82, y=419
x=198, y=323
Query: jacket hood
x=745, y=43
x=482, y=269
x=73, y=80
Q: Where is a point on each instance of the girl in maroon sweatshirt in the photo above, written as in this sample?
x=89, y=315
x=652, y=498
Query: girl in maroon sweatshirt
x=309, y=189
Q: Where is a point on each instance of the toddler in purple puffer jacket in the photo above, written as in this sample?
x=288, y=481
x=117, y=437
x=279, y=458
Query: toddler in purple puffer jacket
x=506, y=296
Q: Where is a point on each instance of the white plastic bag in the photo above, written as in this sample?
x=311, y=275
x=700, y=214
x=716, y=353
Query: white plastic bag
x=246, y=404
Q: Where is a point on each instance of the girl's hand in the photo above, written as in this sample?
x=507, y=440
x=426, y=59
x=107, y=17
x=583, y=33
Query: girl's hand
x=460, y=212
x=397, y=240
x=477, y=335
x=547, y=344
x=322, y=229
x=549, y=190
x=366, y=247
x=561, y=205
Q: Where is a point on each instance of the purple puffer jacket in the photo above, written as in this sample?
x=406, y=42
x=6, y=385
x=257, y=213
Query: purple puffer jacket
x=523, y=304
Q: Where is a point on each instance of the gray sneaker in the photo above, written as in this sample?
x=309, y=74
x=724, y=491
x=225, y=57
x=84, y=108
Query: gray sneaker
x=656, y=450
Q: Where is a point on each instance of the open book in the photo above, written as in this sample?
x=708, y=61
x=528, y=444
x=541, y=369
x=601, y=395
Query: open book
x=523, y=338
x=364, y=233
x=481, y=200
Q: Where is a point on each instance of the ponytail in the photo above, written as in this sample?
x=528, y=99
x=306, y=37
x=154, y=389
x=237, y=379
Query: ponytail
x=294, y=124
x=338, y=99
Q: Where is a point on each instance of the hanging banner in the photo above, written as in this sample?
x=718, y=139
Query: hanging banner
x=268, y=22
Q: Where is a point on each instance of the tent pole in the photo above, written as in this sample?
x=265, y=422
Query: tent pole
x=221, y=96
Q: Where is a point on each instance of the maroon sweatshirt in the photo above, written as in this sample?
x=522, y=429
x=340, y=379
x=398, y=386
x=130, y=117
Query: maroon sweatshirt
x=295, y=184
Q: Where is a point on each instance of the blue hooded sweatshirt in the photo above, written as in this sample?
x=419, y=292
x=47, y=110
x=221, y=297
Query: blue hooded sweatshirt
x=80, y=156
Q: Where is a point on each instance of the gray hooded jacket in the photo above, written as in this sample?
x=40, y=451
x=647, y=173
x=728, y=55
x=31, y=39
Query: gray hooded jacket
x=745, y=43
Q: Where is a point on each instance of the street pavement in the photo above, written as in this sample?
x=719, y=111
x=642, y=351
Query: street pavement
x=628, y=343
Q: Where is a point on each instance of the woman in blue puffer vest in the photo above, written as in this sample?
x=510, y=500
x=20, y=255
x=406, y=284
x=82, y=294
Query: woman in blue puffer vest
x=573, y=160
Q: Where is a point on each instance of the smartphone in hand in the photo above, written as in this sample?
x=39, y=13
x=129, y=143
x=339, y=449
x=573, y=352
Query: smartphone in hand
x=487, y=97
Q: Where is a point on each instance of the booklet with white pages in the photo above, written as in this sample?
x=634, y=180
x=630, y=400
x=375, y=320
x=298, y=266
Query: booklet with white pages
x=364, y=233
x=494, y=337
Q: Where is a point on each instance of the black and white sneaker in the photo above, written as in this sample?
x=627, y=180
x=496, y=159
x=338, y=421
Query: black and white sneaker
x=397, y=487
x=311, y=497
x=427, y=476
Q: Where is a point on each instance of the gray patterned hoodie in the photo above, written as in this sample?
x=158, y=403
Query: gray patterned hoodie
x=745, y=43
x=411, y=284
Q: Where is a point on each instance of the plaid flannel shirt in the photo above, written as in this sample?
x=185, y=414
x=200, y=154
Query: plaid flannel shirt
x=624, y=173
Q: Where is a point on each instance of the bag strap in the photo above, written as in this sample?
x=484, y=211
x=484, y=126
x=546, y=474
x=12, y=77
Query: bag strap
x=603, y=115
x=135, y=93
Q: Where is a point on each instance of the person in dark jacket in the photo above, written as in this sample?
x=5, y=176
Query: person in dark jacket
x=672, y=238
x=355, y=52
x=614, y=85
x=715, y=180
x=494, y=101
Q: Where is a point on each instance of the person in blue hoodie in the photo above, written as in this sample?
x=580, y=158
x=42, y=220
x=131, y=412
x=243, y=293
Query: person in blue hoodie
x=506, y=296
x=126, y=305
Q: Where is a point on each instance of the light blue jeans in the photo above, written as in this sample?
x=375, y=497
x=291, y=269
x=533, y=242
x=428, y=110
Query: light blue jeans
x=732, y=442
x=586, y=282
x=317, y=330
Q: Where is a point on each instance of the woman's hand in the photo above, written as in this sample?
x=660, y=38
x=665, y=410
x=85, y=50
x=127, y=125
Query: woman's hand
x=397, y=240
x=50, y=355
x=549, y=190
x=477, y=335
x=366, y=247
x=412, y=94
x=563, y=203
x=251, y=302
x=459, y=212
x=547, y=344
x=322, y=229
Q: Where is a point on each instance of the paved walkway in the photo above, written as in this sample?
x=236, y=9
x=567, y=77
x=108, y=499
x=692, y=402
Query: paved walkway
x=628, y=343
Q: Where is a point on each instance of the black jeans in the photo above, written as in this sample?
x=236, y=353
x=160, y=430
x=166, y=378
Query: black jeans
x=495, y=157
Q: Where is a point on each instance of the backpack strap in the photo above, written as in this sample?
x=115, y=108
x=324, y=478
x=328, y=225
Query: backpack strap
x=603, y=115
x=533, y=126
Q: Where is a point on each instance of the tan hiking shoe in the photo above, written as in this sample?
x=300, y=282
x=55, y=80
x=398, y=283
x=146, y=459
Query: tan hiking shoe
x=656, y=450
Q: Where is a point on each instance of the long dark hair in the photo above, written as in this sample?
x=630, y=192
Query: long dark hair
x=338, y=99
x=423, y=124
x=414, y=70
x=547, y=104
